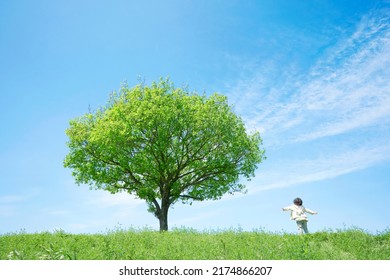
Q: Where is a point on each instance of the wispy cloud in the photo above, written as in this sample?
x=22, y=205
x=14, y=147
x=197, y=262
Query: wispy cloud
x=350, y=89
x=7, y=211
x=5, y=199
x=320, y=168
x=344, y=99
x=347, y=88
x=103, y=199
x=9, y=204
x=59, y=212
x=202, y=215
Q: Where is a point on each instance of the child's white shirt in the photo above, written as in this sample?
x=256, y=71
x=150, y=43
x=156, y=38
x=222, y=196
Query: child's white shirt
x=298, y=212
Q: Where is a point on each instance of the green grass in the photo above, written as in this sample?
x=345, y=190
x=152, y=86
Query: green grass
x=187, y=244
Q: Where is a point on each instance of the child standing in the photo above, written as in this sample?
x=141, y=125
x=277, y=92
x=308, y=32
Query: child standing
x=298, y=214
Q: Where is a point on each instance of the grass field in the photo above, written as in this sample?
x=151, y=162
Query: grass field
x=187, y=244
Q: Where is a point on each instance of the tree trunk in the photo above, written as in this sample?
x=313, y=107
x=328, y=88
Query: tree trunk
x=163, y=218
x=161, y=212
x=163, y=222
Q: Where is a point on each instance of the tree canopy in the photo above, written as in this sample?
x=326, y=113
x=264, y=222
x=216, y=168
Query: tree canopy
x=163, y=144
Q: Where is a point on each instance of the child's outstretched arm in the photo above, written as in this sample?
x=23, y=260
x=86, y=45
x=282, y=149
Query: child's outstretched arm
x=311, y=211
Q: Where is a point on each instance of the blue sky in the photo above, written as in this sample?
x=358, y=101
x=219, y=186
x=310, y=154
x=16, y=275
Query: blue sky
x=312, y=76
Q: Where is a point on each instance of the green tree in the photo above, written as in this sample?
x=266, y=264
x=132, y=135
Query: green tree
x=164, y=145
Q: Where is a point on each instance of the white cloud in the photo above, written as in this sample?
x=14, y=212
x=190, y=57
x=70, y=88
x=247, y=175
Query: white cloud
x=326, y=167
x=200, y=216
x=59, y=212
x=342, y=101
x=347, y=89
x=9, y=204
x=7, y=211
x=360, y=118
x=12, y=198
x=103, y=199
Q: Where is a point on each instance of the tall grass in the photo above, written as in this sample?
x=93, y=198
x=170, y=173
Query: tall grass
x=187, y=244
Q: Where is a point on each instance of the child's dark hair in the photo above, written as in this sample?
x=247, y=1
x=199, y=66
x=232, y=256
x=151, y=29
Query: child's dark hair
x=298, y=201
